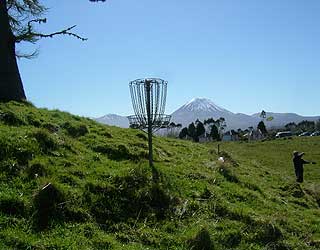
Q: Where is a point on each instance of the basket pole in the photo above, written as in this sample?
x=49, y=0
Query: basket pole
x=148, y=90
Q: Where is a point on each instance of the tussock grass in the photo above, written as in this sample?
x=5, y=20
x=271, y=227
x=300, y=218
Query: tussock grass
x=67, y=182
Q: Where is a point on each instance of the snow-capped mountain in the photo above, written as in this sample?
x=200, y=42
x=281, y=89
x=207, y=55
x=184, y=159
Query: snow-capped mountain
x=202, y=105
x=203, y=108
x=114, y=120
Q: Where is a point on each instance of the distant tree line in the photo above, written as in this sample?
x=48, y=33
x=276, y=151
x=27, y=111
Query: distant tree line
x=209, y=129
x=304, y=126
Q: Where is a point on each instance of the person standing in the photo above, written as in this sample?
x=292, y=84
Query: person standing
x=298, y=163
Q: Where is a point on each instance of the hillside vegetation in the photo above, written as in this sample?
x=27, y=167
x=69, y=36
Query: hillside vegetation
x=67, y=182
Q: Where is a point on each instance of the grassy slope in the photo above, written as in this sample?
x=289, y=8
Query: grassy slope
x=102, y=195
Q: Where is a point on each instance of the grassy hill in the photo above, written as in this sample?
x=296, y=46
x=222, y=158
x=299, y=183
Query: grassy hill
x=70, y=183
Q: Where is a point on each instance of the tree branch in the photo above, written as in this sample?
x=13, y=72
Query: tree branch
x=32, y=55
x=31, y=36
x=62, y=32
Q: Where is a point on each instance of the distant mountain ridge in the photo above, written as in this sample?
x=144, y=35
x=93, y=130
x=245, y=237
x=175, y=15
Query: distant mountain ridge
x=203, y=108
x=114, y=120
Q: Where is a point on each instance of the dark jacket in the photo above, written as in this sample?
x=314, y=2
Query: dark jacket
x=298, y=163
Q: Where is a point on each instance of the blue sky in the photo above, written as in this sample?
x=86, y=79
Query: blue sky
x=244, y=55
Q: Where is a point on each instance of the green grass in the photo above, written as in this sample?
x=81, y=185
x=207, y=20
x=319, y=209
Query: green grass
x=102, y=195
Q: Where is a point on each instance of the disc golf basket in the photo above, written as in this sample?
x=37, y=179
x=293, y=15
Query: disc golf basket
x=148, y=100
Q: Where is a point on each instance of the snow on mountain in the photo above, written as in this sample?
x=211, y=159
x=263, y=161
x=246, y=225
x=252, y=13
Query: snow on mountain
x=202, y=105
x=203, y=108
x=114, y=120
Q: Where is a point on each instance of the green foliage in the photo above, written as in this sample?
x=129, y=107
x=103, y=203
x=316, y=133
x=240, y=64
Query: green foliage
x=183, y=133
x=214, y=133
x=200, y=130
x=262, y=127
x=192, y=132
x=306, y=126
x=102, y=194
x=10, y=118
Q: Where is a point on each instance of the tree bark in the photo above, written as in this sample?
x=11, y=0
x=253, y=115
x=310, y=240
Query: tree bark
x=11, y=87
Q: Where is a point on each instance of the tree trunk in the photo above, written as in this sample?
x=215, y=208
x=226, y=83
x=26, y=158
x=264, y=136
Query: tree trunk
x=11, y=87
